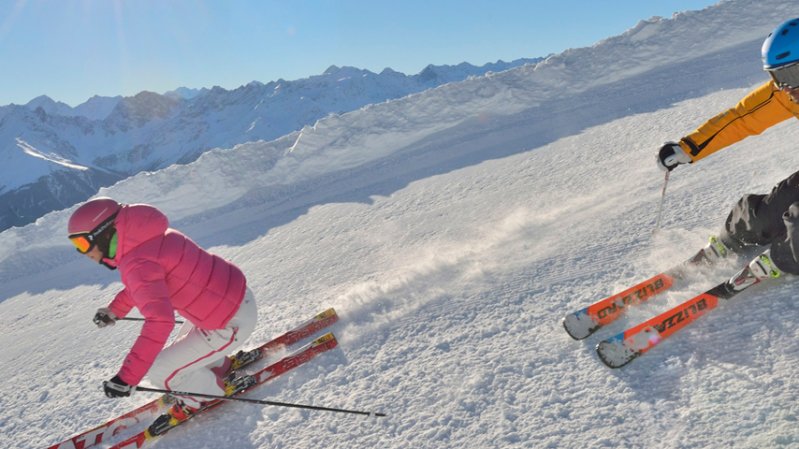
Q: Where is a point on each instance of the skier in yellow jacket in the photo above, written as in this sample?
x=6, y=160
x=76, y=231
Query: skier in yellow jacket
x=757, y=219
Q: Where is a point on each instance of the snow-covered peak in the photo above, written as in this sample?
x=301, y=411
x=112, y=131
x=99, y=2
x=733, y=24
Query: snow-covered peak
x=97, y=107
x=345, y=71
x=50, y=106
x=185, y=93
x=142, y=108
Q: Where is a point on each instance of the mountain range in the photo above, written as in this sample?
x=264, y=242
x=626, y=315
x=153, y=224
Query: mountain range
x=55, y=155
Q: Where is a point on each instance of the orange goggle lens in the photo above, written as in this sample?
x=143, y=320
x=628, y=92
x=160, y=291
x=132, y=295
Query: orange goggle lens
x=81, y=242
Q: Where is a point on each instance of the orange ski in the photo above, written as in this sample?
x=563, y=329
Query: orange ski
x=625, y=347
x=585, y=322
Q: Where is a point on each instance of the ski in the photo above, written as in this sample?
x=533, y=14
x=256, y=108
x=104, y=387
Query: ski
x=301, y=332
x=115, y=426
x=586, y=321
x=320, y=345
x=626, y=346
x=103, y=432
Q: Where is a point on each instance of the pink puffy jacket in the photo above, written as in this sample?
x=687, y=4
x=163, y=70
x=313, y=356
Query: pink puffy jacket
x=163, y=272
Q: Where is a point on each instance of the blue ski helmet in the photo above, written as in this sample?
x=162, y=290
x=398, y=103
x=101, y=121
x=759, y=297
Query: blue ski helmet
x=781, y=47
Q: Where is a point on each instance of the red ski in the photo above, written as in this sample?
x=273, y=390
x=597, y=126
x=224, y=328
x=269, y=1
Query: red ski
x=148, y=411
x=318, y=346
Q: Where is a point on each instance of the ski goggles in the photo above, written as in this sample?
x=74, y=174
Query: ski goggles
x=85, y=241
x=786, y=76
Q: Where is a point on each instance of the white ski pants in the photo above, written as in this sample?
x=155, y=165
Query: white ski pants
x=196, y=360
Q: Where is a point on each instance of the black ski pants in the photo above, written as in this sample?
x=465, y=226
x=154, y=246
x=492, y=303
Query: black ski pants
x=770, y=219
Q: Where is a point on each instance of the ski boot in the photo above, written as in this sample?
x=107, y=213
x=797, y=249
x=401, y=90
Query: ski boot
x=175, y=415
x=713, y=252
x=243, y=358
x=235, y=384
x=180, y=412
x=759, y=269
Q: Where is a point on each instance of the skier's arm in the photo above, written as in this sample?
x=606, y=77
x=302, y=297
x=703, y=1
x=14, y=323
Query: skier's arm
x=147, y=288
x=761, y=109
x=121, y=305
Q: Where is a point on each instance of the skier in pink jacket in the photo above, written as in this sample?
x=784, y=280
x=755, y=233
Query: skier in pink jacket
x=165, y=272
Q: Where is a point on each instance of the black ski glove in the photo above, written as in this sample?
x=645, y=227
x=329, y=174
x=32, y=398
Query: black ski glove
x=117, y=388
x=104, y=317
x=671, y=155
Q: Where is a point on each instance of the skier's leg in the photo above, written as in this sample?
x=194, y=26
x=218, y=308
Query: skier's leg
x=192, y=362
x=757, y=219
x=785, y=251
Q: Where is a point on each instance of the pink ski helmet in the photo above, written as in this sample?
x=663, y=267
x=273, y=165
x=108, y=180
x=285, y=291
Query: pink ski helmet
x=90, y=220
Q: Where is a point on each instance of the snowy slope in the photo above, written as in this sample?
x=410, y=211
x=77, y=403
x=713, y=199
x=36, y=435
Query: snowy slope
x=452, y=230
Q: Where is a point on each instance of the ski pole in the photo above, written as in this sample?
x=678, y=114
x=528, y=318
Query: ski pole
x=662, y=200
x=259, y=401
x=142, y=319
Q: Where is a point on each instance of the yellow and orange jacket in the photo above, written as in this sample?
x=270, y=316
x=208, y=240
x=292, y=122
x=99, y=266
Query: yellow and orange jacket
x=763, y=108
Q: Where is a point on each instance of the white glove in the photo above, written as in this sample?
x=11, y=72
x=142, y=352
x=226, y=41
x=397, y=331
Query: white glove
x=104, y=317
x=671, y=155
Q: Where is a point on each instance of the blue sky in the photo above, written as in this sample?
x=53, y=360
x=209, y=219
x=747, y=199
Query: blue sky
x=73, y=49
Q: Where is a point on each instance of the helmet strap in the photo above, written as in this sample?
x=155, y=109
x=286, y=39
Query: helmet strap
x=107, y=263
x=112, y=246
x=110, y=250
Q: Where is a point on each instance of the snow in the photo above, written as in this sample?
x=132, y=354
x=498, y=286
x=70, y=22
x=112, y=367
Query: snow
x=30, y=150
x=452, y=230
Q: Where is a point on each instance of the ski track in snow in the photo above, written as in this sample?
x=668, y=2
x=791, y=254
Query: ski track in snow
x=451, y=260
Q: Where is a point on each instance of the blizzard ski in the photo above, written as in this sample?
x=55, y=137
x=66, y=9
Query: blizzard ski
x=320, y=345
x=626, y=346
x=142, y=414
x=586, y=321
